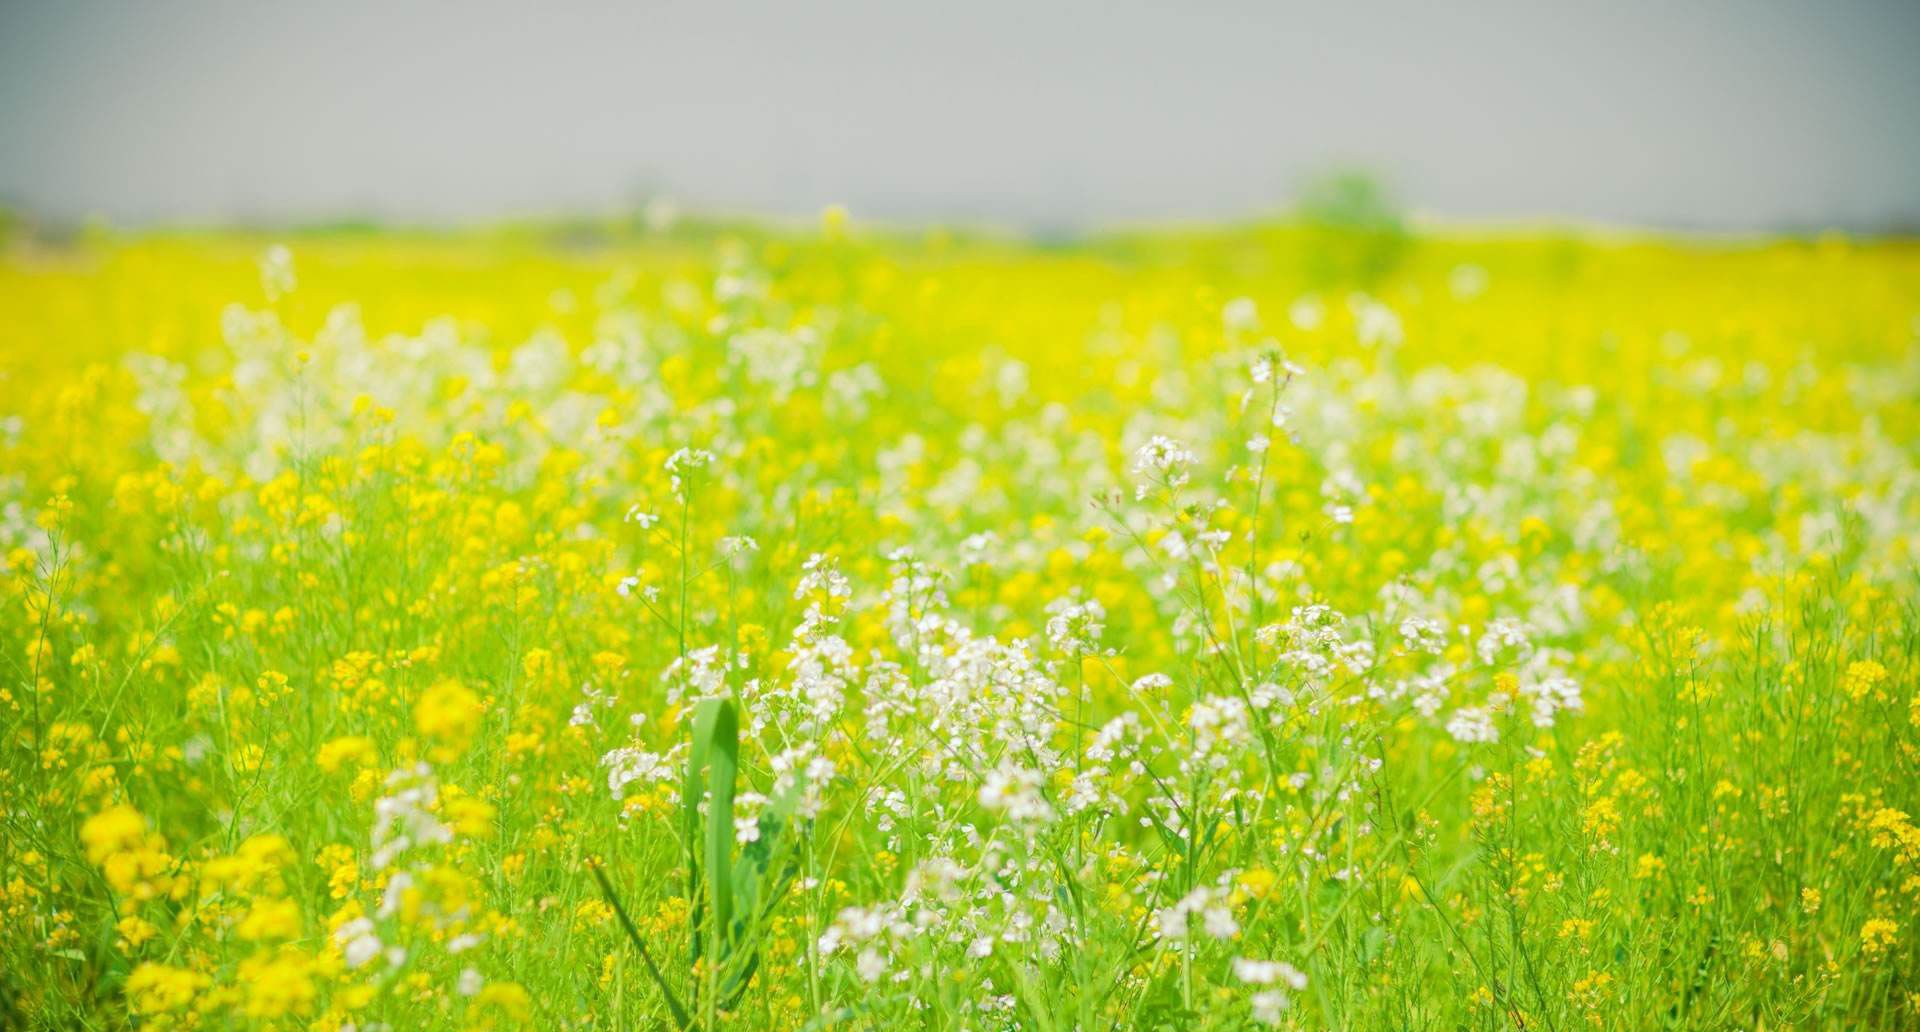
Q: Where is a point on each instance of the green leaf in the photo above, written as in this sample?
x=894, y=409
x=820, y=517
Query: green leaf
x=723, y=754
x=693, y=791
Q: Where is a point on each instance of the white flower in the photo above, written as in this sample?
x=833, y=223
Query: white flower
x=1268, y=1006
x=403, y=819
x=1374, y=322
x=358, y=943
x=1306, y=314
x=1424, y=635
x=1219, y=922
x=1161, y=460
x=625, y=766
x=1015, y=791
x=1220, y=727
x=1267, y=972
x=781, y=361
x=685, y=461
x=1075, y=626
x=1550, y=696
x=1240, y=314
x=821, y=573
x=1216, y=915
x=276, y=272
x=395, y=893
x=1503, y=636
x=746, y=830
x=1472, y=724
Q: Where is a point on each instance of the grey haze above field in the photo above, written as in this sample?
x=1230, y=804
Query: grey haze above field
x=1699, y=115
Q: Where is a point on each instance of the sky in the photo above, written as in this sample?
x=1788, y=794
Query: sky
x=1706, y=115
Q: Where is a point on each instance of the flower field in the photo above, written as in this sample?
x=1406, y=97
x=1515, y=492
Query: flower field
x=737, y=627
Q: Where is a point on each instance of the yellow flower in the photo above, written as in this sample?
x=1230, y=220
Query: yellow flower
x=469, y=816
x=357, y=750
x=1861, y=678
x=1258, y=882
x=448, y=714
x=157, y=988
x=113, y=830
x=1877, y=936
x=277, y=984
x=270, y=919
x=134, y=931
x=499, y=1005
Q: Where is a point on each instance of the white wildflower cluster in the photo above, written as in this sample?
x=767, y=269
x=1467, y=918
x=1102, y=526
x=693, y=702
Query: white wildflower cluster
x=1314, y=649
x=948, y=907
x=1423, y=634
x=808, y=699
x=1206, y=910
x=1375, y=323
x=824, y=589
x=1504, y=638
x=1109, y=763
x=592, y=699
x=629, y=764
x=291, y=395
x=780, y=361
x=1473, y=724
x=683, y=464
x=404, y=818
x=406, y=834
x=1272, y=979
x=1074, y=625
x=1269, y=367
x=1221, y=728
x=359, y=942
x=1550, y=696
x=700, y=674
x=862, y=930
x=852, y=391
x=1161, y=462
x=802, y=769
x=276, y=272
x=1343, y=491
x=1014, y=791
x=913, y=594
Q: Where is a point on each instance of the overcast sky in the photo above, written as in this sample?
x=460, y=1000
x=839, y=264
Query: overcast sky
x=1694, y=114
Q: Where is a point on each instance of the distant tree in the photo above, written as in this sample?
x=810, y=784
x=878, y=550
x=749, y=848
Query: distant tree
x=1356, y=233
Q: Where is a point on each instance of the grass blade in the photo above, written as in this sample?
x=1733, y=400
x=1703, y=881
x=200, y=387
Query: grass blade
x=680, y=1015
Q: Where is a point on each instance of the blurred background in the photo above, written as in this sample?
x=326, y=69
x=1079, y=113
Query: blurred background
x=1710, y=116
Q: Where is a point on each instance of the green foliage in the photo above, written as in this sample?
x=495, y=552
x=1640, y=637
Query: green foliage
x=1356, y=232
